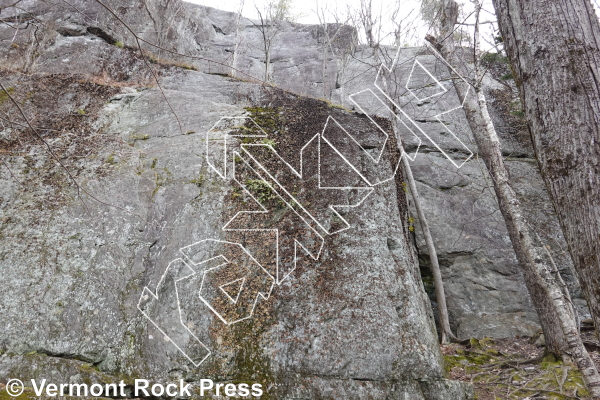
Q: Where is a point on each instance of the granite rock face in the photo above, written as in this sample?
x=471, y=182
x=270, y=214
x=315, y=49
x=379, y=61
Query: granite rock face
x=146, y=181
x=485, y=291
x=131, y=251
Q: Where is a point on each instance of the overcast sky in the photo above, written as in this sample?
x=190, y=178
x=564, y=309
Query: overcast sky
x=307, y=10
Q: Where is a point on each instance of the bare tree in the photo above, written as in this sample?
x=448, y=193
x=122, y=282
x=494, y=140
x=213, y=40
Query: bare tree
x=383, y=27
x=270, y=16
x=371, y=23
x=440, y=295
x=552, y=303
x=338, y=40
x=401, y=25
x=555, y=55
x=238, y=39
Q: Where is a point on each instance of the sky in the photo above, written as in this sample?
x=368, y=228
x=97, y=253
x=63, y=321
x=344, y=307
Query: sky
x=409, y=12
x=306, y=10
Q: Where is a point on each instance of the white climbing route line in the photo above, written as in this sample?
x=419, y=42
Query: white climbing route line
x=227, y=271
x=237, y=287
x=378, y=84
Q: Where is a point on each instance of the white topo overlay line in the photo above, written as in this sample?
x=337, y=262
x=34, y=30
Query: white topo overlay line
x=222, y=129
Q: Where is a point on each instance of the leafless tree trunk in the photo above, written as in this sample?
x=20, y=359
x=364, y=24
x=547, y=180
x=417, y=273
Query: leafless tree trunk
x=397, y=21
x=238, y=39
x=371, y=23
x=554, y=310
x=268, y=31
x=327, y=46
x=554, y=49
x=272, y=13
x=341, y=43
x=444, y=320
x=440, y=295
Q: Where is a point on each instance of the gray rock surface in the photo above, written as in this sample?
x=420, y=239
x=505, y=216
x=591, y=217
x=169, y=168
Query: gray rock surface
x=485, y=291
x=76, y=261
x=84, y=252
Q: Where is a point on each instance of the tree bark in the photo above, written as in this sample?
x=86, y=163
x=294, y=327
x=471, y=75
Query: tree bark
x=554, y=311
x=554, y=50
x=488, y=147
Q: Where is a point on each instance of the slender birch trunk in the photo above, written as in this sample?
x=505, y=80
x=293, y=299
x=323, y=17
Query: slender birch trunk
x=237, y=40
x=440, y=295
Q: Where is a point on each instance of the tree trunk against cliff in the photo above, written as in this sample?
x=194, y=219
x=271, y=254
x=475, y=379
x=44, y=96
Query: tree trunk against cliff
x=268, y=32
x=327, y=46
x=368, y=20
x=554, y=311
x=554, y=49
x=488, y=147
x=440, y=295
x=446, y=334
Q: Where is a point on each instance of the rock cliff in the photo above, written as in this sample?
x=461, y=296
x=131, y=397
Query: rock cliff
x=166, y=215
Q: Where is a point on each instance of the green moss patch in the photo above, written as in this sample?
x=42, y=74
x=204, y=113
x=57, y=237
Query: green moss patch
x=6, y=94
x=497, y=374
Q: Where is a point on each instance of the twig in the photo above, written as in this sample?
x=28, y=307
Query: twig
x=11, y=173
x=55, y=157
x=520, y=362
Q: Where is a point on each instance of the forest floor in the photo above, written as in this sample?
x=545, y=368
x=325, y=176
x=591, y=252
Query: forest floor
x=517, y=369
